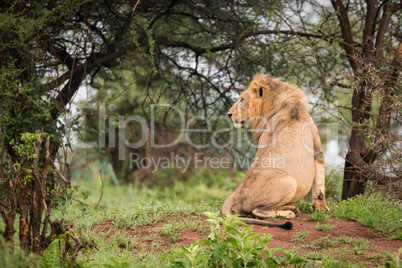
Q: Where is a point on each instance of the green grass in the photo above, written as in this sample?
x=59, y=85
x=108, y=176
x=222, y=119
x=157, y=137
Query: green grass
x=357, y=245
x=323, y=227
x=228, y=245
x=384, y=216
x=375, y=256
x=340, y=258
x=129, y=207
x=344, y=239
x=320, y=216
x=173, y=227
x=322, y=243
x=18, y=259
x=126, y=209
x=304, y=206
x=299, y=237
x=360, y=245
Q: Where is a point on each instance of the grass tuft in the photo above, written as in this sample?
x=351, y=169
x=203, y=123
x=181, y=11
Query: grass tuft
x=320, y=216
x=299, y=237
x=323, y=227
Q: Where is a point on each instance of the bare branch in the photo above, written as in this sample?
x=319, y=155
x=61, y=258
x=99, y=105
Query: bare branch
x=78, y=246
x=384, y=118
x=368, y=172
x=382, y=29
x=348, y=44
x=61, y=54
x=59, y=173
x=199, y=50
x=396, y=7
x=93, y=61
x=368, y=32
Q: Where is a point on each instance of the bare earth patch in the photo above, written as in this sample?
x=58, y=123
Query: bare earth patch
x=150, y=234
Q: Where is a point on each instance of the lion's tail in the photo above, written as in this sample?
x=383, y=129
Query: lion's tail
x=227, y=211
x=287, y=225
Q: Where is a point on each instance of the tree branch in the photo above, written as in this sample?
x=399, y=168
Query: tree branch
x=368, y=32
x=384, y=116
x=199, y=50
x=396, y=7
x=77, y=74
x=61, y=54
x=368, y=172
x=348, y=44
x=382, y=29
x=59, y=173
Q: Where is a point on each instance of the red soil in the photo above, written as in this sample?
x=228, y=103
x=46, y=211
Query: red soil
x=146, y=235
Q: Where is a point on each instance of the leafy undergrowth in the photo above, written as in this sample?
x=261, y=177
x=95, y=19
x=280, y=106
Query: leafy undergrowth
x=228, y=245
x=146, y=227
x=232, y=245
x=124, y=233
x=384, y=216
x=117, y=243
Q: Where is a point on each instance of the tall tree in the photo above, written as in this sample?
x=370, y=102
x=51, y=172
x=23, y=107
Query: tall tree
x=365, y=58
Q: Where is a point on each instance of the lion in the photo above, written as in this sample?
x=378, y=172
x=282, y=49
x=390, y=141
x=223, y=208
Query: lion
x=284, y=131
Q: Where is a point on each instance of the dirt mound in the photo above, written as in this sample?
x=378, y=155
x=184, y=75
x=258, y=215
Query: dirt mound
x=347, y=239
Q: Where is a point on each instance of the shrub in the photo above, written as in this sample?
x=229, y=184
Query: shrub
x=232, y=246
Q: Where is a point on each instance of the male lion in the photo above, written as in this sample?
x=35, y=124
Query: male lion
x=285, y=134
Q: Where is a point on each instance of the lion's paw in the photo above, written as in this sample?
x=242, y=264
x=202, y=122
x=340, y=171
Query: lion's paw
x=320, y=206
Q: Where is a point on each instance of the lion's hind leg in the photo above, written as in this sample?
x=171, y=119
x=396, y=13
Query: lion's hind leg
x=287, y=214
x=279, y=192
x=290, y=207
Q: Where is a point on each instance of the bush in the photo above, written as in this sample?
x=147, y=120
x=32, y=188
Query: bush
x=232, y=246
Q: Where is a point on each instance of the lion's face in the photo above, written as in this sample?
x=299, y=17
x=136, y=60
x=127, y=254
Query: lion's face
x=249, y=105
x=239, y=111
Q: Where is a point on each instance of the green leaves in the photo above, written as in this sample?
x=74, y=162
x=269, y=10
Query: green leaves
x=192, y=256
x=394, y=261
x=232, y=244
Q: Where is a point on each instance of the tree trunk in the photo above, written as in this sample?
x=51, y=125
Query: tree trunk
x=358, y=157
x=353, y=183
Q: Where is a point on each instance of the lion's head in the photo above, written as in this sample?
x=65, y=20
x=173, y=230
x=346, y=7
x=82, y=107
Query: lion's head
x=265, y=97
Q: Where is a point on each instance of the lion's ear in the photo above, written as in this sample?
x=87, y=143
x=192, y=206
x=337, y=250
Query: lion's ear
x=257, y=91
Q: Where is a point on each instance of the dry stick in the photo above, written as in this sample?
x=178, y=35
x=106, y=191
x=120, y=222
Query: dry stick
x=78, y=246
x=61, y=252
x=59, y=173
x=100, y=198
x=47, y=220
x=44, y=177
x=136, y=4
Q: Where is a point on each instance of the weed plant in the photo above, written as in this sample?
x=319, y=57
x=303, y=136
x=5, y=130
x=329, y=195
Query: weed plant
x=230, y=245
x=394, y=260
